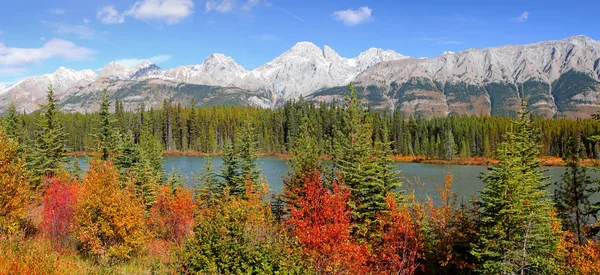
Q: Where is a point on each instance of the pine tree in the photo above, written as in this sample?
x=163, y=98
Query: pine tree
x=516, y=234
x=76, y=169
x=207, y=188
x=12, y=123
x=106, y=136
x=572, y=194
x=354, y=159
x=230, y=170
x=389, y=176
x=304, y=160
x=247, y=151
x=47, y=156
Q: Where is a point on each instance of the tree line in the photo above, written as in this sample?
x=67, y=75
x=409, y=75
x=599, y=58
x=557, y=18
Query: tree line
x=125, y=215
x=206, y=129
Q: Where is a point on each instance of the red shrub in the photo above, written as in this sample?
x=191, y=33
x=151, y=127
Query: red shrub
x=401, y=244
x=58, y=201
x=173, y=214
x=321, y=223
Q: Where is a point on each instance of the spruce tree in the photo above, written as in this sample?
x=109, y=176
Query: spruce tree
x=106, y=135
x=47, y=156
x=304, y=160
x=247, y=151
x=230, y=170
x=354, y=160
x=516, y=223
x=572, y=194
x=207, y=188
x=12, y=124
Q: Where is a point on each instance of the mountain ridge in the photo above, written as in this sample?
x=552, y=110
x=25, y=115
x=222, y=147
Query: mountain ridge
x=560, y=78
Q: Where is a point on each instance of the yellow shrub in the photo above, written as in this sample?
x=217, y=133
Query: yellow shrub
x=14, y=187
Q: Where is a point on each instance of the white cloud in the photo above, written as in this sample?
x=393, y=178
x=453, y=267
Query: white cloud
x=353, y=17
x=222, y=6
x=86, y=21
x=226, y=6
x=110, y=15
x=81, y=31
x=17, y=59
x=131, y=62
x=57, y=11
x=170, y=11
x=524, y=16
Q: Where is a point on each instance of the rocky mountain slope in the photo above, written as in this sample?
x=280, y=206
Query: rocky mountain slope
x=29, y=94
x=558, y=78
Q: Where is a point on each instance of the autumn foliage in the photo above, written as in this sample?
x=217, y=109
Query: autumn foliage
x=321, y=223
x=14, y=187
x=109, y=220
x=401, y=244
x=173, y=214
x=59, y=199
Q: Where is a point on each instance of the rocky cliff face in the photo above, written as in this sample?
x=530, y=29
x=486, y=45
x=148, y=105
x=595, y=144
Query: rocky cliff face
x=558, y=78
x=306, y=68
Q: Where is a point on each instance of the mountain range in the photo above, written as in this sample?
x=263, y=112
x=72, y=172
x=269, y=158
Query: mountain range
x=558, y=78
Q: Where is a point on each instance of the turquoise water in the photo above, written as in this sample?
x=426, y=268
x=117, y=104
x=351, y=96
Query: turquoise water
x=423, y=178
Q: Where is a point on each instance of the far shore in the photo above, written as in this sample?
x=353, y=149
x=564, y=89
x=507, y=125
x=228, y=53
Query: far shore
x=480, y=161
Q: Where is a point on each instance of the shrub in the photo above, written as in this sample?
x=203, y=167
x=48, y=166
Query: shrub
x=14, y=187
x=320, y=220
x=57, y=215
x=173, y=214
x=109, y=220
x=238, y=236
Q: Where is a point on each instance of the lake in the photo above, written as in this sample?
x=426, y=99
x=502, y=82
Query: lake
x=423, y=177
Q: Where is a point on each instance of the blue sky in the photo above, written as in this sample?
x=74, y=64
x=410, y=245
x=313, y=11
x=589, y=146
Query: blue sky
x=37, y=37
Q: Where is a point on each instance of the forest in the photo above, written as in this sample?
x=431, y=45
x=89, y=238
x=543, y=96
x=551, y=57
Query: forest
x=205, y=130
x=125, y=215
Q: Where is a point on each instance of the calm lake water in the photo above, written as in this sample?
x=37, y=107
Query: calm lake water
x=422, y=177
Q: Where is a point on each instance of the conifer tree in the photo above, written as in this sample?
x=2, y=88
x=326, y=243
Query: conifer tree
x=48, y=152
x=12, y=123
x=106, y=135
x=354, y=159
x=230, y=170
x=207, y=188
x=247, y=151
x=572, y=194
x=516, y=234
x=304, y=160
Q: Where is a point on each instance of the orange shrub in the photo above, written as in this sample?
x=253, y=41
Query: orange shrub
x=173, y=214
x=14, y=187
x=108, y=220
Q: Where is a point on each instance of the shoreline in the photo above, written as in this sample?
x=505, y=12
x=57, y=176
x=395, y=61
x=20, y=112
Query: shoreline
x=478, y=161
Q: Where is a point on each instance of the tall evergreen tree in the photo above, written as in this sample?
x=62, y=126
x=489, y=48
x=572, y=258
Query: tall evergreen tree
x=247, y=150
x=304, y=160
x=47, y=156
x=207, y=189
x=12, y=123
x=230, y=170
x=107, y=137
x=354, y=159
x=572, y=194
x=516, y=234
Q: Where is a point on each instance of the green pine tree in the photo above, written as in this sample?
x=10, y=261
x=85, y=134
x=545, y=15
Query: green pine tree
x=516, y=234
x=207, y=185
x=12, y=124
x=106, y=135
x=230, y=170
x=47, y=157
x=572, y=194
x=304, y=159
x=356, y=163
x=247, y=151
